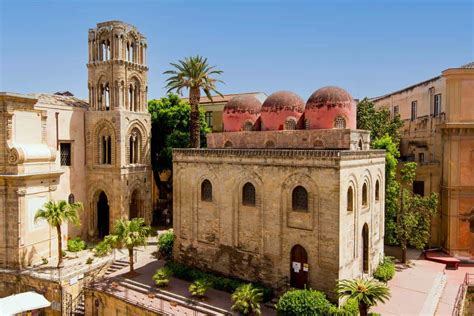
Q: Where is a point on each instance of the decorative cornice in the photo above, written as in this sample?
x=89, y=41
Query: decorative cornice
x=120, y=62
x=277, y=153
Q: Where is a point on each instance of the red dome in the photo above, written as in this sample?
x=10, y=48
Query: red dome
x=241, y=113
x=330, y=107
x=280, y=108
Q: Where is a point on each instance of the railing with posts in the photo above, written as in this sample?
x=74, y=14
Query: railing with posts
x=461, y=296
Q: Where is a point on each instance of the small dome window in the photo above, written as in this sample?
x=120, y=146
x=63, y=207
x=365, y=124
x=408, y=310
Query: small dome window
x=339, y=122
x=290, y=124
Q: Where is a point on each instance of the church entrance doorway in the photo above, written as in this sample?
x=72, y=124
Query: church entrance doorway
x=365, y=248
x=134, y=205
x=299, y=267
x=102, y=215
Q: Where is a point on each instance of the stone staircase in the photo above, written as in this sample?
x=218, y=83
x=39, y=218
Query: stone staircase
x=115, y=266
x=80, y=309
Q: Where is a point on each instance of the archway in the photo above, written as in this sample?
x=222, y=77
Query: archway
x=102, y=215
x=135, y=205
x=299, y=267
x=365, y=249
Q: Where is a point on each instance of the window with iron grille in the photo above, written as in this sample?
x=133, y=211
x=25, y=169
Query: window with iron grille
x=248, y=194
x=206, y=191
x=65, y=150
x=339, y=122
x=300, y=199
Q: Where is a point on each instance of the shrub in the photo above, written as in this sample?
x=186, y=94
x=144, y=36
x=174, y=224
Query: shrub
x=165, y=244
x=76, y=244
x=385, y=271
x=217, y=282
x=247, y=299
x=161, y=277
x=44, y=260
x=89, y=260
x=199, y=287
x=102, y=249
x=302, y=302
x=350, y=308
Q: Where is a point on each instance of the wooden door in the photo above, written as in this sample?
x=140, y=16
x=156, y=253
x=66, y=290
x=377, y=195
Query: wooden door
x=298, y=267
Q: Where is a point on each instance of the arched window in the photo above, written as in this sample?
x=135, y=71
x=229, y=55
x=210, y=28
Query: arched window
x=107, y=97
x=377, y=191
x=364, y=195
x=318, y=144
x=248, y=126
x=290, y=123
x=228, y=144
x=365, y=248
x=269, y=144
x=134, y=146
x=339, y=122
x=299, y=199
x=350, y=199
x=70, y=198
x=360, y=144
x=131, y=97
x=248, y=194
x=106, y=150
x=206, y=191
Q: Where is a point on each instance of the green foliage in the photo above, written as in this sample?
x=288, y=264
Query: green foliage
x=247, y=299
x=76, y=244
x=366, y=292
x=385, y=271
x=378, y=121
x=199, y=287
x=303, y=302
x=161, y=277
x=415, y=212
x=392, y=187
x=44, y=260
x=165, y=244
x=350, y=308
x=129, y=233
x=102, y=249
x=217, y=282
x=89, y=260
x=170, y=129
x=58, y=212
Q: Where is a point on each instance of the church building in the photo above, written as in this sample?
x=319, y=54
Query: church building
x=56, y=146
x=290, y=193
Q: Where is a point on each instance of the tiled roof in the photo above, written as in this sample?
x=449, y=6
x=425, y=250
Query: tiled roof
x=468, y=66
x=224, y=98
x=55, y=99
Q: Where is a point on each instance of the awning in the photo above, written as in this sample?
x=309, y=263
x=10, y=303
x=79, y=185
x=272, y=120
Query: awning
x=22, y=302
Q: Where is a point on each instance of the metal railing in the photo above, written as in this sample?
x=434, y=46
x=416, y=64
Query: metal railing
x=461, y=296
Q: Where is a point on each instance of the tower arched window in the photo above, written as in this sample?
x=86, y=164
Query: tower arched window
x=339, y=122
x=377, y=190
x=248, y=194
x=134, y=146
x=206, y=191
x=364, y=195
x=106, y=150
x=131, y=97
x=299, y=199
x=350, y=199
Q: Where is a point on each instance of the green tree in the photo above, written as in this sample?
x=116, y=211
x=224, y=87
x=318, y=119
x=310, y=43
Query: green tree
x=367, y=292
x=170, y=129
x=195, y=74
x=392, y=187
x=56, y=213
x=129, y=234
x=414, y=212
x=247, y=299
x=378, y=121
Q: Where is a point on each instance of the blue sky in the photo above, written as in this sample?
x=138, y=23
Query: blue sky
x=367, y=47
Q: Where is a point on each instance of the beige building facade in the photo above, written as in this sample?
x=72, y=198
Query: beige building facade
x=62, y=148
x=438, y=134
x=298, y=207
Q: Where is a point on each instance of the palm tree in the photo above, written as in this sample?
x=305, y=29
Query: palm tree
x=247, y=299
x=367, y=292
x=129, y=234
x=194, y=74
x=56, y=213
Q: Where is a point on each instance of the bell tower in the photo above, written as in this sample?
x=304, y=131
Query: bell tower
x=118, y=127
